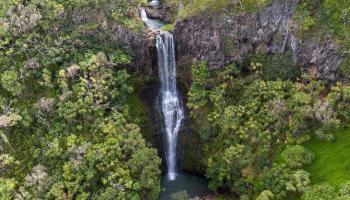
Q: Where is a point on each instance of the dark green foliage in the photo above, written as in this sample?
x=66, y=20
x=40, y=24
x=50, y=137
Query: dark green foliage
x=278, y=66
x=275, y=180
x=244, y=121
x=9, y=81
x=197, y=94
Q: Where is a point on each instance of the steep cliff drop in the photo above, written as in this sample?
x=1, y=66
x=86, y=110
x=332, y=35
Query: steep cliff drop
x=172, y=114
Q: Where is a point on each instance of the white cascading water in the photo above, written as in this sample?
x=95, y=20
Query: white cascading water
x=170, y=103
x=154, y=3
x=171, y=107
x=143, y=15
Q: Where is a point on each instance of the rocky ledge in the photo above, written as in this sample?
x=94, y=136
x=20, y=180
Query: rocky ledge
x=226, y=39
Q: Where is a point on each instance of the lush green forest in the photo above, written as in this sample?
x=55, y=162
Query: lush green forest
x=66, y=130
x=73, y=124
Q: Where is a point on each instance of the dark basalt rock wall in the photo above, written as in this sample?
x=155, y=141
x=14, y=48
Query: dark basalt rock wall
x=221, y=40
x=142, y=46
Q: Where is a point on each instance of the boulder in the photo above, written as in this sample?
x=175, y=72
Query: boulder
x=153, y=13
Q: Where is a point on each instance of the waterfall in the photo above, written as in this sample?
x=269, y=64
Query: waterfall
x=143, y=15
x=154, y=3
x=170, y=102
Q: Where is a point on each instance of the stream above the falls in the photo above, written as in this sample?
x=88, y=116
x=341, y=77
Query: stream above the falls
x=152, y=24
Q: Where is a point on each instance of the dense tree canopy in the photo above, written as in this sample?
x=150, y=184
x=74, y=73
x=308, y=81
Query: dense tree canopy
x=248, y=120
x=65, y=126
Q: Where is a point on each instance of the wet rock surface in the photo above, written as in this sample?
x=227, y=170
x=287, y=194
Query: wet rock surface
x=153, y=12
x=162, y=12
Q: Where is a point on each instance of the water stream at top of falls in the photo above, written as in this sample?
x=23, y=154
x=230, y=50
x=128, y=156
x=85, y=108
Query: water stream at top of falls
x=152, y=24
x=170, y=104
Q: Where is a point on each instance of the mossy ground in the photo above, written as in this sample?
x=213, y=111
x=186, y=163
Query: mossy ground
x=140, y=109
x=139, y=114
x=332, y=159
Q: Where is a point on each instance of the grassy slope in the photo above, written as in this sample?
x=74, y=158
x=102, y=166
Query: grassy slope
x=332, y=163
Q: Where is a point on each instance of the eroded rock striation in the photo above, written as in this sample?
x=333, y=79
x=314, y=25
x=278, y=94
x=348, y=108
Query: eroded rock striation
x=229, y=38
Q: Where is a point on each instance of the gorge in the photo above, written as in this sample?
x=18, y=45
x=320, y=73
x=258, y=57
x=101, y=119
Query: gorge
x=174, y=99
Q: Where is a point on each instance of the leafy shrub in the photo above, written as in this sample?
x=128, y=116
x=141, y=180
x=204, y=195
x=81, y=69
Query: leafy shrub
x=319, y=192
x=344, y=191
x=168, y=27
x=297, y=156
x=275, y=180
x=7, y=188
x=307, y=23
x=323, y=192
x=9, y=81
x=197, y=93
x=265, y=195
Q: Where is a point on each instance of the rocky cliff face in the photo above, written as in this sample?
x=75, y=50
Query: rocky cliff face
x=226, y=39
x=142, y=46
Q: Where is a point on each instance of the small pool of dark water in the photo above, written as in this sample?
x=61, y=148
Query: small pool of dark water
x=192, y=184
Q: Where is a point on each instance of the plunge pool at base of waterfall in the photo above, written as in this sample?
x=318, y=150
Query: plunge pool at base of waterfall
x=193, y=185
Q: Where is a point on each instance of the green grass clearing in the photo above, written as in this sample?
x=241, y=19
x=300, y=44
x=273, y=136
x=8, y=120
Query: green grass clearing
x=332, y=159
